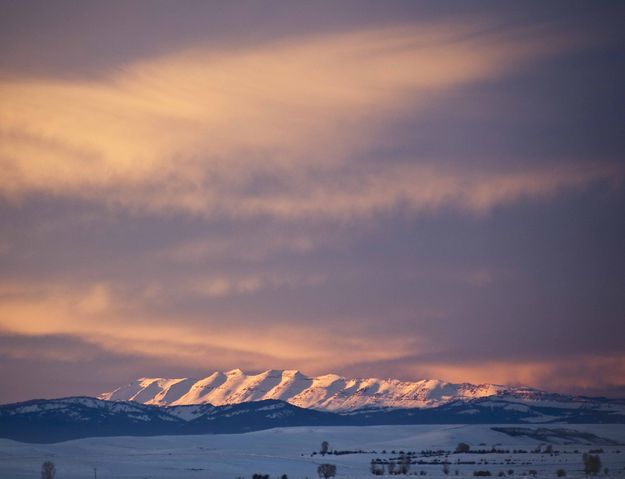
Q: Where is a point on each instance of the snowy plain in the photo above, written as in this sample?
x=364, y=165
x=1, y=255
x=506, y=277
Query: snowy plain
x=288, y=451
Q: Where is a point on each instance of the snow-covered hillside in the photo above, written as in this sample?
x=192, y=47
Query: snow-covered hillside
x=53, y=420
x=328, y=392
x=290, y=451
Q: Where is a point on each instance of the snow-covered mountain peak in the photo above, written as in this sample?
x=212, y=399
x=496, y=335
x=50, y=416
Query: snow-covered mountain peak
x=326, y=392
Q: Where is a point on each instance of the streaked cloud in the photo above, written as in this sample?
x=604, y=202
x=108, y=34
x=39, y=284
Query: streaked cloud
x=225, y=286
x=120, y=324
x=264, y=244
x=278, y=129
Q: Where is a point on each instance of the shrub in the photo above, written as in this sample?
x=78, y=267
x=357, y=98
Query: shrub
x=376, y=469
x=463, y=447
x=561, y=473
x=326, y=470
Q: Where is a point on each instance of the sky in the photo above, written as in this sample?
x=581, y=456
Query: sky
x=376, y=189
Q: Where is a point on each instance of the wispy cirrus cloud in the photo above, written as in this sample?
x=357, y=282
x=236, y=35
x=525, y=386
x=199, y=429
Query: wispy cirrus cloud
x=278, y=129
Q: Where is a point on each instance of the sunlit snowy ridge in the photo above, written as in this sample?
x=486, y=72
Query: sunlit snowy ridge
x=328, y=392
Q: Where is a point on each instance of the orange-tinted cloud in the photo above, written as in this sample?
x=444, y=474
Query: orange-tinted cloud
x=583, y=372
x=274, y=129
x=122, y=325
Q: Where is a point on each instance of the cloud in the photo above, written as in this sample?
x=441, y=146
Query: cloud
x=566, y=374
x=95, y=367
x=119, y=323
x=263, y=244
x=96, y=301
x=596, y=373
x=221, y=286
x=62, y=365
x=122, y=325
x=277, y=130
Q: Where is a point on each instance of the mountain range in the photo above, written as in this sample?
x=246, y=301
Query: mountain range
x=54, y=420
x=233, y=402
x=328, y=392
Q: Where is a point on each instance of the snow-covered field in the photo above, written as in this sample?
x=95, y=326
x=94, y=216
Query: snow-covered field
x=288, y=451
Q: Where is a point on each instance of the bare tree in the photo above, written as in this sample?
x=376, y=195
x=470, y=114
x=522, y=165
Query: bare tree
x=48, y=471
x=404, y=463
x=324, y=448
x=326, y=470
x=592, y=464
